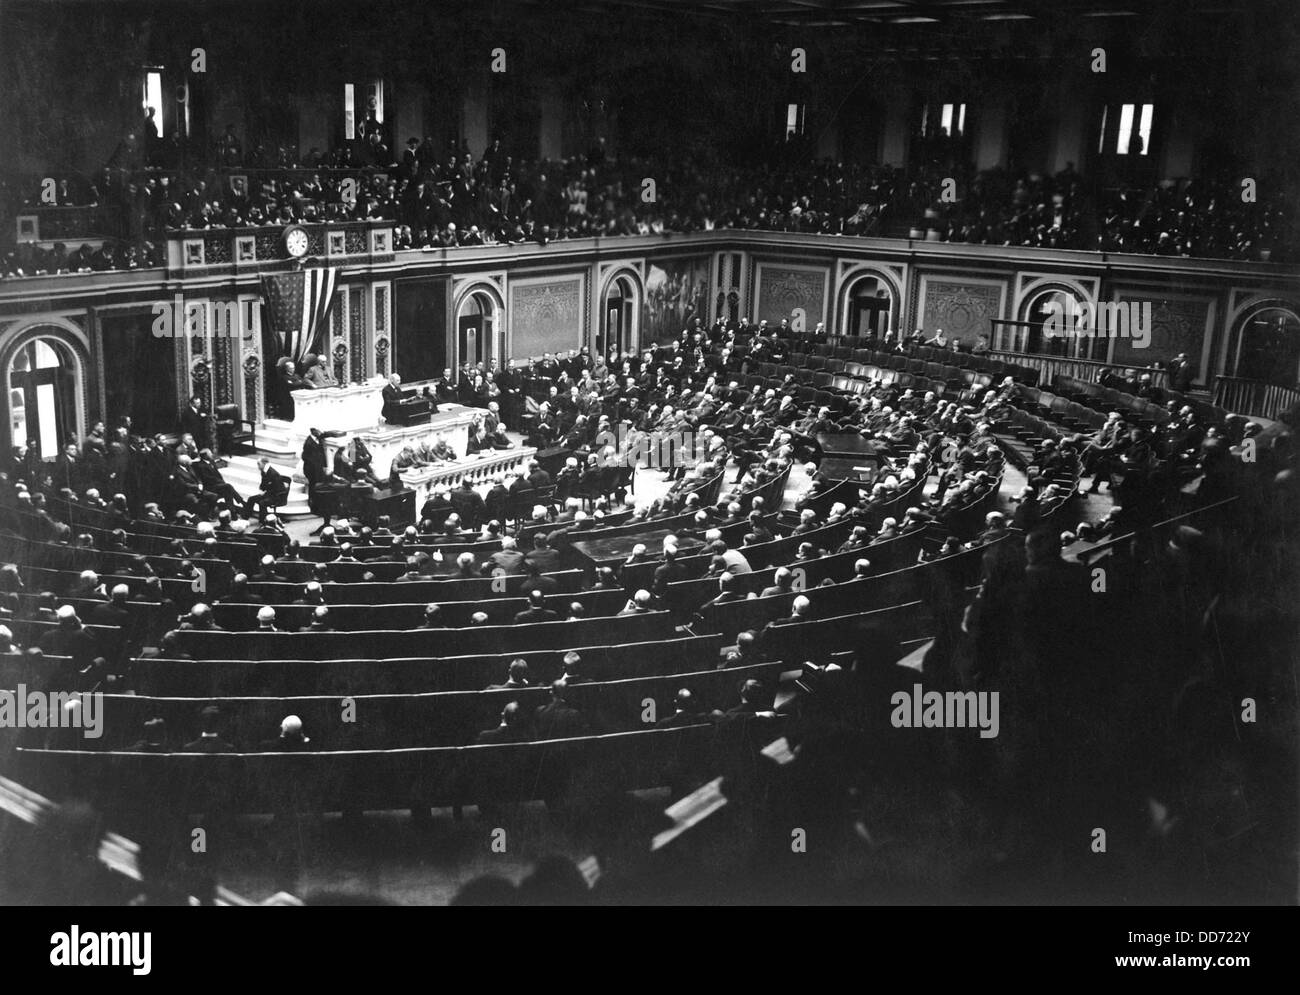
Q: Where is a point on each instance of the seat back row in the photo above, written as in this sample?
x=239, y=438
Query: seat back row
x=401, y=721
x=422, y=642
x=384, y=779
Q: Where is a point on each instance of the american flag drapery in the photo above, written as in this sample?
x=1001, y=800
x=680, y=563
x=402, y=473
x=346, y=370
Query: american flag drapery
x=297, y=306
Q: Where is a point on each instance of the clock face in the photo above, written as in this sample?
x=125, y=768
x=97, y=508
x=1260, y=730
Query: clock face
x=295, y=242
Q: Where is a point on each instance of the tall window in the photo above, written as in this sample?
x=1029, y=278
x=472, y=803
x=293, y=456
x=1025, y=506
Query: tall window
x=355, y=113
x=153, y=97
x=1132, y=134
x=943, y=119
x=794, y=119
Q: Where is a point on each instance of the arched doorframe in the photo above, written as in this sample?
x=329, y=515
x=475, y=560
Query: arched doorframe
x=1032, y=294
x=498, y=349
x=883, y=277
x=73, y=345
x=1242, y=316
x=633, y=281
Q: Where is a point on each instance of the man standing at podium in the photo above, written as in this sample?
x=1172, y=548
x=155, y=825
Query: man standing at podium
x=392, y=394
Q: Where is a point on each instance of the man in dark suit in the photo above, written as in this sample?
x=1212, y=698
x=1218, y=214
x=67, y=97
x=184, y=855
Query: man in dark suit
x=542, y=556
x=314, y=463
x=670, y=571
x=115, y=610
x=354, y=464
x=468, y=505
x=727, y=592
x=685, y=712
x=287, y=381
x=195, y=421
x=210, y=476
x=209, y=740
x=71, y=638
x=274, y=489
x=756, y=701
x=186, y=483
x=517, y=676
x=513, y=728
x=496, y=504
x=508, y=558
x=557, y=720
x=392, y=395
x=68, y=469
x=1181, y=373
x=536, y=611
x=537, y=477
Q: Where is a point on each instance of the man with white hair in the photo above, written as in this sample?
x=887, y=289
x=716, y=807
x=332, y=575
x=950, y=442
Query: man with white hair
x=200, y=619
x=807, y=522
x=800, y=611
x=641, y=603
x=995, y=527
x=508, y=560
x=291, y=738
x=312, y=594
x=392, y=397
x=266, y=619
x=782, y=583
x=88, y=586
x=465, y=565
x=7, y=645
x=71, y=638
x=113, y=612
x=320, y=621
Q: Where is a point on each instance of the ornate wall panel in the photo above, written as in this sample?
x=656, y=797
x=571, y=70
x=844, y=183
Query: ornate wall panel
x=546, y=315
x=781, y=290
x=963, y=308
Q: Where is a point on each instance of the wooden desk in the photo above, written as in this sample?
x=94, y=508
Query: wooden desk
x=614, y=550
x=851, y=446
x=860, y=468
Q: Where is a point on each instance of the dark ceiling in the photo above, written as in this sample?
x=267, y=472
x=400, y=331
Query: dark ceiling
x=844, y=13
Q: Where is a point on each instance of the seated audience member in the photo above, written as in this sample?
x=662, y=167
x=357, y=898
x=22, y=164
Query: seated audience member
x=291, y=739
x=640, y=604
x=516, y=677
x=558, y=719
x=511, y=729
x=685, y=712
x=747, y=651
x=573, y=670
x=210, y=739
x=757, y=701
x=536, y=611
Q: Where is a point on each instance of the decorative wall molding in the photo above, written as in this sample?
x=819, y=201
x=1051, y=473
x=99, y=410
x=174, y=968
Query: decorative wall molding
x=782, y=288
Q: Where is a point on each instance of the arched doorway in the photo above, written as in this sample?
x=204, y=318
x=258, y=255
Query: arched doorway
x=1268, y=346
x=477, y=330
x=618, y=313
x=870, y=307
x=42, y=376
x=1026, y=335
